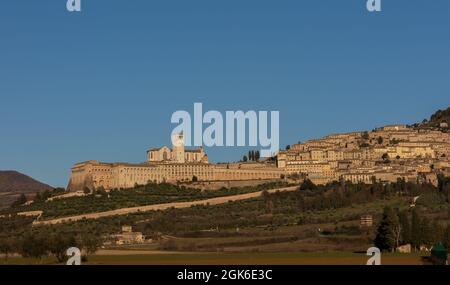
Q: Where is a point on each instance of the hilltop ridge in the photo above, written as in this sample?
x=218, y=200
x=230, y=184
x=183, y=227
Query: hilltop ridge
x=14, y=183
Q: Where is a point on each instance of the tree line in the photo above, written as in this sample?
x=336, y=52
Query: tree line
x=398, y=228
x=40, y=244
x=252, y=156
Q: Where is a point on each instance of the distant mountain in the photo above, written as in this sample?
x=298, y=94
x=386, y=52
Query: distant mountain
x=13, y=184
x=13, y=181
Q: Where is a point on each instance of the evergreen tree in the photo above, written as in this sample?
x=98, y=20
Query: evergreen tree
x=308, y=185
x=388, y=232
x=426, y=232
x=416, y=230
x=6, y=246
x=446, y=238
x=251, y=156
x=406, y=227
x=437, y=232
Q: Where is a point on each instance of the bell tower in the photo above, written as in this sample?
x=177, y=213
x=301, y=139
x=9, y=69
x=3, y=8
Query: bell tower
x=178, y=148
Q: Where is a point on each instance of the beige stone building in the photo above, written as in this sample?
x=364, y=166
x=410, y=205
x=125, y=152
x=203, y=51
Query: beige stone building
x=385, y=154
x=166, y=165
x=178, y=153
x=127, y=236
x=94, y=174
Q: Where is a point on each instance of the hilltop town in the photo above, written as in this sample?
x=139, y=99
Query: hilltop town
x=410, y=153
x=384, y=154
x=333, y=194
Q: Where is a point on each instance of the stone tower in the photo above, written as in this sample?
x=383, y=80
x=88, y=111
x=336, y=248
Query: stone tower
x=178, y=148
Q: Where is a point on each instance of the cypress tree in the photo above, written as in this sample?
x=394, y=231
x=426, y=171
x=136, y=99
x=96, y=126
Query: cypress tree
x=416, y=231
x=437, y=232
x=388, y=231
x=426, y=232
x=405, y=226
x=446, y=238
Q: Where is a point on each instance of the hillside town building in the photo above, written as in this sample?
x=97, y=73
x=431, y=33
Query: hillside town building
x=383, y=155
x=166, y=165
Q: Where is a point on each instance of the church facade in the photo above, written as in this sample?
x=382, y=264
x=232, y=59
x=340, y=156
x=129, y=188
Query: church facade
x=178, y=153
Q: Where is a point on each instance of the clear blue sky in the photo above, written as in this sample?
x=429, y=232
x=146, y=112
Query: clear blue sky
x=102, y=84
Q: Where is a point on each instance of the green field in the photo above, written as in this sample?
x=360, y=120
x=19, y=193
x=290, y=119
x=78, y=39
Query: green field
x=326, y=258
x=317, y=226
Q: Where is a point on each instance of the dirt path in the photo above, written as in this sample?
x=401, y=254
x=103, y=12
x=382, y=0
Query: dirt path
x=176, y=205
x=119, y=252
